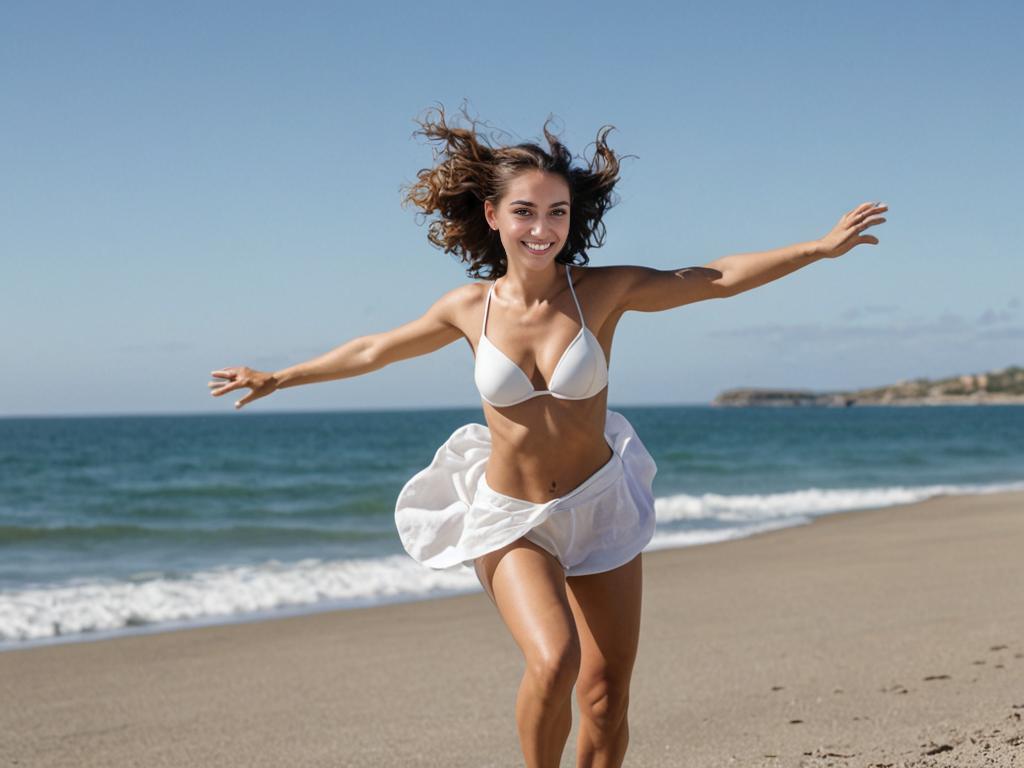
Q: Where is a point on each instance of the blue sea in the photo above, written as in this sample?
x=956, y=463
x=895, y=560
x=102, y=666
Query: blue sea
x=122, y=525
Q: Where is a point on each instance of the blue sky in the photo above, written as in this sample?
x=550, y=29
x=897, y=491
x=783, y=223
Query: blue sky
x=198, y=185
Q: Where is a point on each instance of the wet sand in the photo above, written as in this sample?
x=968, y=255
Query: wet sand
x=891, y=637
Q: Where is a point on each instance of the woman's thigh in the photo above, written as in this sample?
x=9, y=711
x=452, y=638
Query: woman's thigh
x=606, y=610
x=527, y=585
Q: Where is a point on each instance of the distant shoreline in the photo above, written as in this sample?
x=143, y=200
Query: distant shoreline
x=1002, y=387
x=772, y=398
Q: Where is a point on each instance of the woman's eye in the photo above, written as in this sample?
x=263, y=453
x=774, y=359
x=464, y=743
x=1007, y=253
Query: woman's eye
x=527, y=211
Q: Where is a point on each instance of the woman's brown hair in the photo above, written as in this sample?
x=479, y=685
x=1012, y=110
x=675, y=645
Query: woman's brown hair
x=468, y=170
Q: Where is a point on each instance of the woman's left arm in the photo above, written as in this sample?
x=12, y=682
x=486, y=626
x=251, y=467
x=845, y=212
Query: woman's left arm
x=651, y=290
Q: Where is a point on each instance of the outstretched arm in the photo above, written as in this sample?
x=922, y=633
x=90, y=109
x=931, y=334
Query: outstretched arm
x=435, y=329
x=652, y=290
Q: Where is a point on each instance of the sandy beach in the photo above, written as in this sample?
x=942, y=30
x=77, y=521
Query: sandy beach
x=891, y=637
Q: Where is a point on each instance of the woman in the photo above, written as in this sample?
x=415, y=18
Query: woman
x=551, y=502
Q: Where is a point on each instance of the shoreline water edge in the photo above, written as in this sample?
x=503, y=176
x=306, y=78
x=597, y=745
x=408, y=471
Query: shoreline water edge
x=90, y=610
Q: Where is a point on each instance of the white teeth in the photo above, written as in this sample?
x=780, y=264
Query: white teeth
x=537, y=246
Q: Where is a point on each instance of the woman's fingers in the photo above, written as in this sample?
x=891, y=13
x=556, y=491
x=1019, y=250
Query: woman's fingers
x=871, y=212
x=247, y=399
x=234, y=381
x=258, y=382
x=848, y=233
x=868, y=209
x=866, y=215
x=224, y=373
x=221, y=386
x=871, y=223
x=256, y=392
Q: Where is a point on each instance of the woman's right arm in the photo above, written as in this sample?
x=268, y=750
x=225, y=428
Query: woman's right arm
x=439, y=326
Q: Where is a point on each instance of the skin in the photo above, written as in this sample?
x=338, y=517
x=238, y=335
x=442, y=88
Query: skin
x=577, y=632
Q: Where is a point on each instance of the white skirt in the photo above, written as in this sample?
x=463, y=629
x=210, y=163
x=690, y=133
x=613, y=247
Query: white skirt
x=447, y=514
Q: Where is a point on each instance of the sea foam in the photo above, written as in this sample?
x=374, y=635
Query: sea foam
x=97, y=606
x=807, y=502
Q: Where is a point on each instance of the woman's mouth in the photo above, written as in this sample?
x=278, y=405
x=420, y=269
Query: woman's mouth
x=538, y=248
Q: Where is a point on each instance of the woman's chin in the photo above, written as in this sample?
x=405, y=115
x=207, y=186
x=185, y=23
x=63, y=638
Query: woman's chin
x=532, y=261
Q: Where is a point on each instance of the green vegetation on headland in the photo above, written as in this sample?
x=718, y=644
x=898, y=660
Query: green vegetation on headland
x=992, y=388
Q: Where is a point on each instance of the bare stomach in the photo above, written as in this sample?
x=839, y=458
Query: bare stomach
x=545, y=447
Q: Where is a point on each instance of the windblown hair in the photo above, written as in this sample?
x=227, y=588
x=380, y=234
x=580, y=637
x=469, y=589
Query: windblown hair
x=468, y=170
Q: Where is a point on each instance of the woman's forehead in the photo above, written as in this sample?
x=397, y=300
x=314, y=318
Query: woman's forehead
x=538, y=187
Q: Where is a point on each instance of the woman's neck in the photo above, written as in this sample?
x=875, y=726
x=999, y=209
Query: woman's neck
x=530, y=287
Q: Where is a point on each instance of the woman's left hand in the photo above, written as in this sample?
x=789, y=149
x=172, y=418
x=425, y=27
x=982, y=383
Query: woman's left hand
x=847, y=232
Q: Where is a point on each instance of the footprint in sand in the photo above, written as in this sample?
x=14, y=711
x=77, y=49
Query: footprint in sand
x=821, y=753
x=897, y=688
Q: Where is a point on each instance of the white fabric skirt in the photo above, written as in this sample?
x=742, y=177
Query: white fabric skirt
x=447, y=515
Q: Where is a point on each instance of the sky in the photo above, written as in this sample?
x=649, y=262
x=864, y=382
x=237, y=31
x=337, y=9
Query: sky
x=191, y=186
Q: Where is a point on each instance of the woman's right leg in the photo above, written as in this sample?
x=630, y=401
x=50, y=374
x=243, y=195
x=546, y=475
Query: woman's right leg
x=527, y=584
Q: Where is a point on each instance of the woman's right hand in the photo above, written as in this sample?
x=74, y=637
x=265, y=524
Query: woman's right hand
x=260, y=382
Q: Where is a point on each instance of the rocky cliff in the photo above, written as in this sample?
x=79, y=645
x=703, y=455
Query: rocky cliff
x=993, y=387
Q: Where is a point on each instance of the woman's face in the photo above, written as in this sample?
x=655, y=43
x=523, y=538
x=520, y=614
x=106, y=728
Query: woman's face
x=532, y=218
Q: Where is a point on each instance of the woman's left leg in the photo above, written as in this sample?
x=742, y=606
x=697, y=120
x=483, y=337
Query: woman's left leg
x=606, y=607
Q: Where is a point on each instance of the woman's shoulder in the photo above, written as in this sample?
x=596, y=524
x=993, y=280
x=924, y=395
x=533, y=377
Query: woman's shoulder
x=466, y=293
x=460, y=305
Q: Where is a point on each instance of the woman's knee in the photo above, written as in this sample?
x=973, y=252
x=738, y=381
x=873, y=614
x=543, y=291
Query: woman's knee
x=603, y=700
x=554, y=668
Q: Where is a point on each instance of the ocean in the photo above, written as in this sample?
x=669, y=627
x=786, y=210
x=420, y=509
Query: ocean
x=122, y=525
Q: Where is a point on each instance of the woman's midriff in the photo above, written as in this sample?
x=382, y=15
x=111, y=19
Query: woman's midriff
x=544, y=448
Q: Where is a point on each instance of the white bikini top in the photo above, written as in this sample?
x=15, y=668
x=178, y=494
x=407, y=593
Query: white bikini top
x=582, y=371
